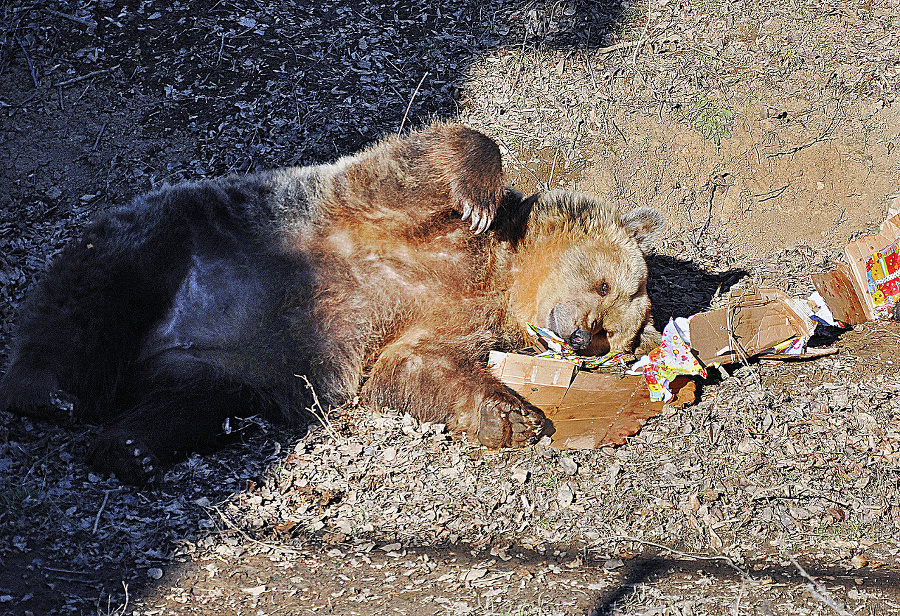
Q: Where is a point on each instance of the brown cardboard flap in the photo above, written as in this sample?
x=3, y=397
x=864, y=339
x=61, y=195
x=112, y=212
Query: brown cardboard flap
x=839, y=291
x=859, y=253
x=541, y=381
x=587, y=411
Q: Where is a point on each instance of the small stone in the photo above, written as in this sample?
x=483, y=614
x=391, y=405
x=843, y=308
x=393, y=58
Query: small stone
x=520, y=475
x=564, y=496
x=154, y=573
x=569, y=466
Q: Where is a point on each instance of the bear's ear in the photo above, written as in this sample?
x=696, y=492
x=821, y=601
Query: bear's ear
x=646, y=225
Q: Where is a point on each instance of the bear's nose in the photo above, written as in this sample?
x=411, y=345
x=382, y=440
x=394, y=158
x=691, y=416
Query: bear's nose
x=580, y=339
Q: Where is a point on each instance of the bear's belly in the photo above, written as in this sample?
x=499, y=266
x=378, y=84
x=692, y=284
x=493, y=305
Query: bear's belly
x=231, y=314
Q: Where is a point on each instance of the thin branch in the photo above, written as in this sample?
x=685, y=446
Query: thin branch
x=319, y=414
x=825, y=135
x=726, y=559
x=102, y=507
x=411, y=99
x=30, y=64
x=618, y=46
x=772, y=194
x=69, y=82
x=26, y=101
x=99, y=136
x=643, y=34
x=553, y=169
x=819, y=592
x=84, y=22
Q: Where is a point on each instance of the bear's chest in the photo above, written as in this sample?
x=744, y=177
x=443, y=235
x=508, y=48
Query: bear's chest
x=443, y=262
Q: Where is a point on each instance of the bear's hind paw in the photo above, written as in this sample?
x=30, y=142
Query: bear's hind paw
x=130, y=460
x=37, y=401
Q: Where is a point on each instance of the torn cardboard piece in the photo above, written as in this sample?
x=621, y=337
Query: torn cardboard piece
x=875, y=265
x=588, y=410
x=756, y=321
x=870, y=287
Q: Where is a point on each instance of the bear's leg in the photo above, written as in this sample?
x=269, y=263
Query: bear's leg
x=435, y=381
x=193, y=409
x=87, y=316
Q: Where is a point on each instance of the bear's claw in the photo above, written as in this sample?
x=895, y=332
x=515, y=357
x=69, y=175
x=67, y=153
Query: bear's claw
x=481, y=217
x=130, y=460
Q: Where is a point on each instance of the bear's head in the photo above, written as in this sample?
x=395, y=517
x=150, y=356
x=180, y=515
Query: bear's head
x=580, y=272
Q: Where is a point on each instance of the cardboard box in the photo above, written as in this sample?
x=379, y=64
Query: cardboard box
x=842, y=296
x=587, y=409
x=754, y=321
x=875, y=267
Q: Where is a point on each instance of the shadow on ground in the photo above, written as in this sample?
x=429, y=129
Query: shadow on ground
x=679, y=288
x=644, y=570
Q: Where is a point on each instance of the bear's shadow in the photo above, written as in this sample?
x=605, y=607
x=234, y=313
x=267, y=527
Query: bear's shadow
x=679, y=288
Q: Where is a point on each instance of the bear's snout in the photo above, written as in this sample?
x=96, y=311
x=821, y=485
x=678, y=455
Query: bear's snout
x=580, y=339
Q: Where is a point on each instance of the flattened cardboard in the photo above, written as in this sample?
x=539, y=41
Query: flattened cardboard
x=755, y=321
x=838, y=289
x=588, y=410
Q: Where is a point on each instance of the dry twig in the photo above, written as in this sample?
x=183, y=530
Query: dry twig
x=84, y=22
x=640, y=40
x=411, y=99
x=317, y=410
x=99, y=136
x=817, y=590
x=69, y=82
x=102, y=507
x=30, y=63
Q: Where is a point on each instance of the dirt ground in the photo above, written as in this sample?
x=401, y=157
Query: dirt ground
x=766, y=132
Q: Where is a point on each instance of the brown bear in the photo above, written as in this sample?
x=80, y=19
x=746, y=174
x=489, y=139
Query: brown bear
x=399, y=268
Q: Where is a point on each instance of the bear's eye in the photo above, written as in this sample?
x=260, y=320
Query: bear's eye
x=602, y=288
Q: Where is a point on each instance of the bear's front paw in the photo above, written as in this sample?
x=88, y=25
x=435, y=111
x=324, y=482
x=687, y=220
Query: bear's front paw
x=37, y=397
x=510, y=424
x=130, y=460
